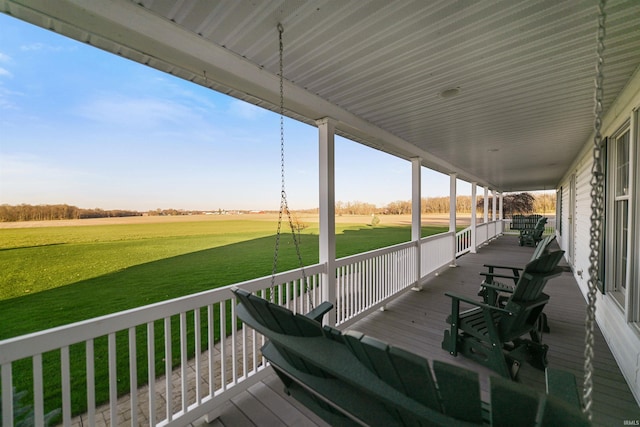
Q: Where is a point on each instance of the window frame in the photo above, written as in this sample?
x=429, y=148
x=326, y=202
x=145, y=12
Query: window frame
x=626, y=295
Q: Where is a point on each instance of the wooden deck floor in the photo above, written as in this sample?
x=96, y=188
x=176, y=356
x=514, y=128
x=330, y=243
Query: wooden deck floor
x=416, y=321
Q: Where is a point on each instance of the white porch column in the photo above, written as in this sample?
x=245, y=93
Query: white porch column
x=474, y=201
x=501, y=213
x=452, y=213
x=452, y=201
x=416, y=211
x=327, y=238
x=493, y=211
x=486, y=205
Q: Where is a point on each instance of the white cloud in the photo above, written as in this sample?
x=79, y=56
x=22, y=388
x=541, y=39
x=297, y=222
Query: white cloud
x=32, y=46
x=35, y=47
x=6, y=98
x=138, y=112
x=245, y=110
x=6, y=59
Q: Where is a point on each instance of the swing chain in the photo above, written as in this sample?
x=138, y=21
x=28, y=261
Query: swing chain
x=284, y=207
x=597, y=210
x=281, y=111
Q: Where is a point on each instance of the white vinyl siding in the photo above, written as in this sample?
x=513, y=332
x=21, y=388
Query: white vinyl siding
x=618, y=318
x=582, y=221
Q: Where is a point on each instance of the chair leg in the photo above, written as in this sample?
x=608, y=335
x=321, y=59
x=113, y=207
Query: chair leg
x=535, y=353
x=449, y=343
x=490, y=356
x=543, y=324
x=538, y=354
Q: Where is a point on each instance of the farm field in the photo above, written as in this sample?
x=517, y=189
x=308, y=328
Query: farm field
x=55, y=273
x=58, y=272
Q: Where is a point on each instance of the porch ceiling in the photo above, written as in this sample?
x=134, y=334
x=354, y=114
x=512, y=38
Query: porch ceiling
x=524, y=69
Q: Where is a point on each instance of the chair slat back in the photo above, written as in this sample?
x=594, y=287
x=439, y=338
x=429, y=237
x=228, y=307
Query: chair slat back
x=460, y=392
x=277, y=318
x=528, y=301
x=507, y=399
x=535, y=276
x=543, y=246
x=538, y=230
x=402, y=370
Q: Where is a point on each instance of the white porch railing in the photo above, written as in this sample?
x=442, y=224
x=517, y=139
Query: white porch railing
x=463, y=241
x=192, y=339
x=484, y=233
x=366, y=281
x=125, y=344
x=436, y=252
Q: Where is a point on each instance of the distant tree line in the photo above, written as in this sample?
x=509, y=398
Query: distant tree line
x=403, y=207
x=25, y=212
x=524, y=203
x=514, y=203
x=178, y=212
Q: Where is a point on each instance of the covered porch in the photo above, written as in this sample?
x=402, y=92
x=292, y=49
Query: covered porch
x=416, y=321
x=467, y=100
x=413, y=320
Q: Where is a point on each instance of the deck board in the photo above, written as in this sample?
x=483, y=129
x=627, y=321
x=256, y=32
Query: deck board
x=416, y=321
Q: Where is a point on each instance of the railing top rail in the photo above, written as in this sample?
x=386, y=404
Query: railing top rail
x=389, y=249
x=461, y=232
x=372, y=254
x=439, y=236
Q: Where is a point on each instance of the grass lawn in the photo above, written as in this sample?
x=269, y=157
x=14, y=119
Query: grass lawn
x=50, y=276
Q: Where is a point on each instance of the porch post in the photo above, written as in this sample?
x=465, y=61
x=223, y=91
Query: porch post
x=416, y=212
x=452, y=214
x=327, y=238
x=474, y=197
x=494, y=210
x=501, y=215
x=486, y=205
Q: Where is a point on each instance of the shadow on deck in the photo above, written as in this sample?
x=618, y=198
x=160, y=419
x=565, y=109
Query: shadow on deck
x=416, y=322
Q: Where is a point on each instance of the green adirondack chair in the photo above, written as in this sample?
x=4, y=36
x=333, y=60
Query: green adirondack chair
x=350, y=379
x=493, y=335
x=531, y=237
x=492, y=291
x=497, y=293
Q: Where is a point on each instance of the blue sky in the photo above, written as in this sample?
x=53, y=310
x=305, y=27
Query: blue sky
x=87, y=128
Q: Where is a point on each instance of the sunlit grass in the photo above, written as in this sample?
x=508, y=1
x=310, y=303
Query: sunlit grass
x=52, y=276
x=75, y=273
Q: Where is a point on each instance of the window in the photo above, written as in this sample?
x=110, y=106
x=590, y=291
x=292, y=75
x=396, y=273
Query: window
x=617, y=252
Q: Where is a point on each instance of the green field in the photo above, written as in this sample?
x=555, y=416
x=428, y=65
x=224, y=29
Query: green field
x=51, y=276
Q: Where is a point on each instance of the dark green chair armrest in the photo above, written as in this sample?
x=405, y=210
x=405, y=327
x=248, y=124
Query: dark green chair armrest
x=504, y=267
x=318, y=313
x=458, y=298
x=500, y=276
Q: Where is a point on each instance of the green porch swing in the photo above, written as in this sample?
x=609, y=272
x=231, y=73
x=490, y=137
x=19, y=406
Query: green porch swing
x=348, y=378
